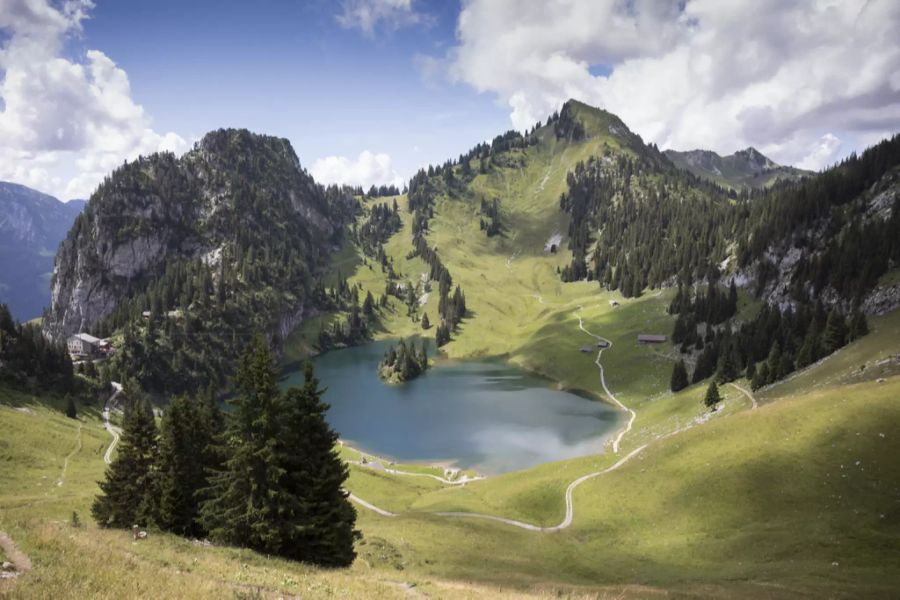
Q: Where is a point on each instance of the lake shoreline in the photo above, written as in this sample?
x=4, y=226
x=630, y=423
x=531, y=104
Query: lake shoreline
x=487, y=414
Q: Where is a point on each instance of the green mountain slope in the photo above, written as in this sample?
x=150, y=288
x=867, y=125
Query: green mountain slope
x=746, y=169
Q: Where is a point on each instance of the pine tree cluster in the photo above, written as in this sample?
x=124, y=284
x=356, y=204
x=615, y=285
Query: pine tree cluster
x=403, y=362
x=29, y=360
x=452, y=308
x=492, y=226
x=766, y=349
x=263, y=476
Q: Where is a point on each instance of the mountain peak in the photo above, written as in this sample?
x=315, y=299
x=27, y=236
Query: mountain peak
x=744, y=169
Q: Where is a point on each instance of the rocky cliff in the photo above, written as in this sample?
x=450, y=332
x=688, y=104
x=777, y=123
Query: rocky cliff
x=234, y=194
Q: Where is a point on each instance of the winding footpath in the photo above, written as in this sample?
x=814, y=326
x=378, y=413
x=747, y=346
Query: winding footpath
x=114, y=431
x=631, y=414
x=570, y=490
x=753, y=404
x=62, y=476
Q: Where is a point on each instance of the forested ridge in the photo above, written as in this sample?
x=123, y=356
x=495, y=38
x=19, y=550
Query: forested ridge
x=637, y=222
x=189, y=257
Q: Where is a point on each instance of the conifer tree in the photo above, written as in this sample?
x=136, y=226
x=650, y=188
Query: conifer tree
x=835, y=335
x=181, y=470
x=859, y=326
x=761, y=377
x=679, y=379
x=712, y=397
x=729, y=367
x=129, y=490
x=774, y=363
x=246, y=497
x=810, y=349
x=71, y=411
x=425, y=322
x=321, y=528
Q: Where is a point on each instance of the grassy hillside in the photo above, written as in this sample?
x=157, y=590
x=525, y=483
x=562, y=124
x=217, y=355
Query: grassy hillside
x=741, y=503
x=795, y=499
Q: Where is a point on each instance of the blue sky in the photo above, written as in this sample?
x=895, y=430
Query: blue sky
x=368, y=91
x=288, y=68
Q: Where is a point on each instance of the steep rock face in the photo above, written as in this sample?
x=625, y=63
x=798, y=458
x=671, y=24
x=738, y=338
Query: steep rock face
x=234, y=189
x=32, y=225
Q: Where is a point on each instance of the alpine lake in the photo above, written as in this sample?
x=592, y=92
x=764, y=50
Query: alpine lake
x=484, y=415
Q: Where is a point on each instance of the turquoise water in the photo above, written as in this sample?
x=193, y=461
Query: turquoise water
x=483, y=415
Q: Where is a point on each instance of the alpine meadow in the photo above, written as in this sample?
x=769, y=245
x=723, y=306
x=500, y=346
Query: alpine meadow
x=607, y=305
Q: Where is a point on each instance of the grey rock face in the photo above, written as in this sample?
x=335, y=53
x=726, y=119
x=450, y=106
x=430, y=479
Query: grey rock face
x=162, y=208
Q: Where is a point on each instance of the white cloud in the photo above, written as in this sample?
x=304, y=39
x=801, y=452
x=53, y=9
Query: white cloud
x=775, y=74
x=64, y=124
x=367, y=170
x=823, y=154
x=368, y=15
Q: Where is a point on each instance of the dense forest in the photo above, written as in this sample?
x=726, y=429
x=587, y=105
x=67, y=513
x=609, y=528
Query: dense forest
x=182, y=319
x=764, y=349
x=639, y=223
x=30, y=361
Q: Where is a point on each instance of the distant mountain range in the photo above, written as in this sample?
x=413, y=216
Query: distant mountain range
x=32, y=225
x=745, y=169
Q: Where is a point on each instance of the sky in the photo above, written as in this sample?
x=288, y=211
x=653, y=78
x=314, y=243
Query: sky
x=368, y=91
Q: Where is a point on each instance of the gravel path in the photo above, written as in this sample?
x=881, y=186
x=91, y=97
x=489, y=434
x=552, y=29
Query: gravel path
x=747, y=393
x=19, y=560
x=114, y=431
x=62, y=476
x=631, y=414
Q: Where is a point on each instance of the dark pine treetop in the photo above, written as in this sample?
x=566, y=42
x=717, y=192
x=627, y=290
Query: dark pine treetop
x=280, y=488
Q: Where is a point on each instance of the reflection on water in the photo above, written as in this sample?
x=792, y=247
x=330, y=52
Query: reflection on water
x=477, y=414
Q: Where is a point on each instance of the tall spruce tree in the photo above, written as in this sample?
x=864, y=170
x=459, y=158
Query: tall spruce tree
x=181, y=467
x=712, y=397
x=246, y=498
x=679, y=379
x=71, y=410
x=322, y=530
x=835, y=335
x=129, y=491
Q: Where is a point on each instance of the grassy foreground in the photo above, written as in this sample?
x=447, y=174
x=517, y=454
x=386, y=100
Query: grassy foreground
x=800, y=498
